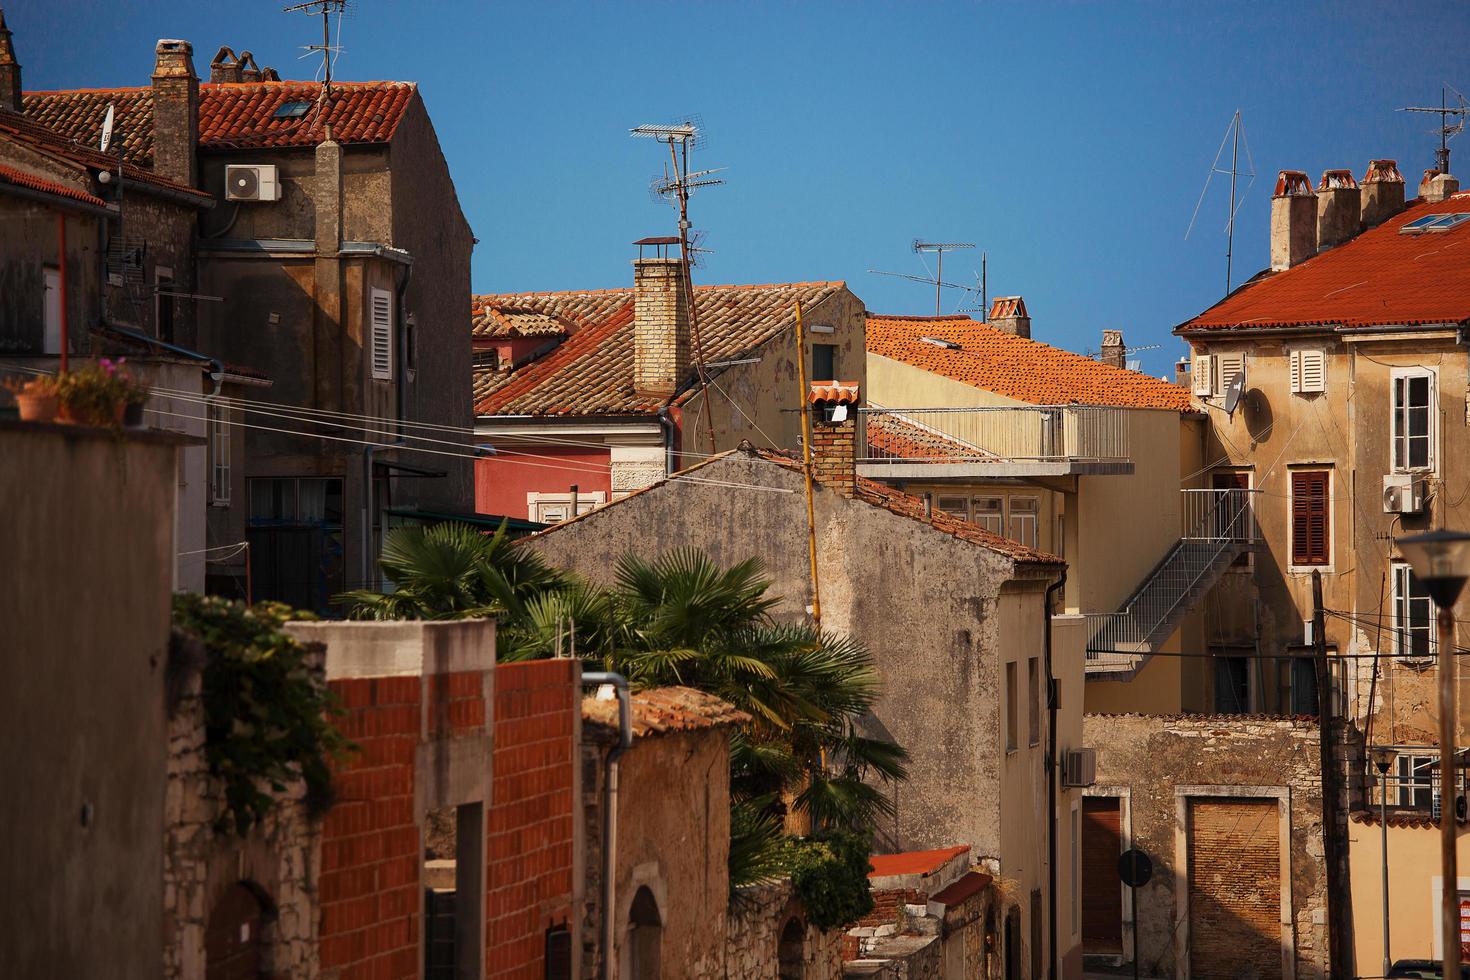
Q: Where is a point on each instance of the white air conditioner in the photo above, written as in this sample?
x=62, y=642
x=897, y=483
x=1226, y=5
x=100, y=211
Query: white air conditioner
x=1079, y=767
x=252, y=182
x=1403, y=493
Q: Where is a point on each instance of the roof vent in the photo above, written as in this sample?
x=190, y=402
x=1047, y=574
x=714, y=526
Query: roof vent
x=941, y=342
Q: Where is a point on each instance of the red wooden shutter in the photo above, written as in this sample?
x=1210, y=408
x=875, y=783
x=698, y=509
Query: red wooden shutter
x=1310, y=525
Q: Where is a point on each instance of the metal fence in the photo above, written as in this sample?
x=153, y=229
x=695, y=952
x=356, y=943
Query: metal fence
x=1042, y=432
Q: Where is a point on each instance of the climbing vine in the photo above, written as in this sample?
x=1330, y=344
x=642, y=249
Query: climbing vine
x=267, y=716
x=830, y=874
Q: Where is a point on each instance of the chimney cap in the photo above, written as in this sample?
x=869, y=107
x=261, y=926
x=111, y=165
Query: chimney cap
x=1004, y=306
x=658, y=240
x=1383, y=172
x=1335, y=180
x=834, y=393
x=1293, y=183
x=1112, y=338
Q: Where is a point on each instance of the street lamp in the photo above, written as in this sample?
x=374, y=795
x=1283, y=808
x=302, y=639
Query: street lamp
x=1382, y=761
x=1441, y=560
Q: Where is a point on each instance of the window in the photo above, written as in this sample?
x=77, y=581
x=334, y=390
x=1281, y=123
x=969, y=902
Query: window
x=292, y=110
x=219, y=456
x=1413, y=615
x=484, y=358
x=1033, y=700
x=1308, y=371
x=1304, y=700
x=1415, y=776
x=1433, y=223
x=644, y=937
x=51, y=340
x=824, y=362
x=954, y=506
x=1310, y=523
x=296, y=540
x=1227, y=366
x=553, y=508
x=1413, y=421
x=1232, y=685
x=163, y=306
x=1012, y=707
x=990, y=514
x=381, y=312
x=1200, y=373
x=1023, y=520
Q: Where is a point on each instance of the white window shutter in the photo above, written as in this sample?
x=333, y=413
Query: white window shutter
x=381, y=334
x=1296, y=371
x=1313, y=371
x=1201, y=374
x=1227, y=366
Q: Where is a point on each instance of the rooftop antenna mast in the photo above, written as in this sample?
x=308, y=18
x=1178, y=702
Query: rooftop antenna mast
x=1235, y=136
x=939, y=248
x=1447, y=130
x=676, y=187
x=329, y=51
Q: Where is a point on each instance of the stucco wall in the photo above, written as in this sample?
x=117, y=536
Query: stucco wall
x=86, y=642
x=1413, y=899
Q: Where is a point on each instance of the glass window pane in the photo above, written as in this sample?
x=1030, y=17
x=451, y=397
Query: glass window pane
x=313, y=500
x=272, y=500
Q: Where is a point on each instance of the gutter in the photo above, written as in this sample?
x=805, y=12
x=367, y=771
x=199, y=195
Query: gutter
x=203, y=202
x=58, y=201
x=1050, y=765
x=216, y=370
x=610, y=811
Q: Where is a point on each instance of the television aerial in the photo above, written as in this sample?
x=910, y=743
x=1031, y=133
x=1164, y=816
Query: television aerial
x=1447, y=130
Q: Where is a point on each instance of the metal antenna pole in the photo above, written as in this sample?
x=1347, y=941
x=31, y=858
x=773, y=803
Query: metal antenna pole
x=984, y=299
x=1230, y=226
x=1446, y=129
x=681, y=171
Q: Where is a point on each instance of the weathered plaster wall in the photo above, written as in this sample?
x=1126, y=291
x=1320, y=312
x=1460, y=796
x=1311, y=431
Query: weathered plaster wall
x=30, y=245
x=1413, y=900
x=759, y=916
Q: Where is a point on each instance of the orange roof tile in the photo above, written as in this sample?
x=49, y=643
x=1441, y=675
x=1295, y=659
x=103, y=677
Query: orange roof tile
x=968, y=884
x=660, y=710
x=895, y=436
x=46, y=140
x=591, y=373
x=837, y=392
x=1016, y=367
x=1379, y=277
x=20, y=178
x=914, y=862
x=232, y=115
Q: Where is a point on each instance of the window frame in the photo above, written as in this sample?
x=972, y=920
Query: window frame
x=1013, y=727
x=984, y=519
x=380, y=319
x=1219, y=383
x=1298, y=370
x=1401, y=575
x=163, y=279
x=219, y=455
x=1407, y=780
x=1033, y=702
x=587, y=500
x=50, y=310
x=1034, y=516
x=830, y=351
x=1405, y=374
x=1307, y=563
x=962, y=512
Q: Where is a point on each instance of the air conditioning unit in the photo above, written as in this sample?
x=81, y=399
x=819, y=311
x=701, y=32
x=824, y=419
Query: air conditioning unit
x=1079, y=767
x=252, y=182
x=1403, y=493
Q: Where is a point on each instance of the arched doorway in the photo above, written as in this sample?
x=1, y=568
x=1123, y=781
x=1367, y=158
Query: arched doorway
x=645, y=935
x=232, y=937
x=791, y=950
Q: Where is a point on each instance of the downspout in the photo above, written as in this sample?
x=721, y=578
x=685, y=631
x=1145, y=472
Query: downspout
x=610, y=812
x=61, y=287
x=667, y=421
x=402, y=339
x=1051, y=780
x=367, y=505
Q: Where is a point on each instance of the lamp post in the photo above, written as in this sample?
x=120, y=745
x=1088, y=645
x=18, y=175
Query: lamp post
x=1441, y=560
x=1382, y=760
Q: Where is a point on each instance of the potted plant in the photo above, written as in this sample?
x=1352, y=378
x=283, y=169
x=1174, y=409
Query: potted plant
x=35, y=397
x=99, y=394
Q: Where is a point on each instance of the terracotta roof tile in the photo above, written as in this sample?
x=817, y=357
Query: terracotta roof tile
x=898, y=437
x=660, y=710
x=1415, y=820
x=233, y=115
x=1016, y=367
x=836, y=392
x=57, y=144
x=508, y=321
x=966, y=885
x=20, y=178
x=1379, y=277
x=914, y=862
x=591, y=373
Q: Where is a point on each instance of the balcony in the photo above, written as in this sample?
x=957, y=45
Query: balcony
x=1218, y=526
x=980, y=443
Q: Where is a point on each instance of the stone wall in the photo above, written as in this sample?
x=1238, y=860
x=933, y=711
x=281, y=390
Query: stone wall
x=758, y=919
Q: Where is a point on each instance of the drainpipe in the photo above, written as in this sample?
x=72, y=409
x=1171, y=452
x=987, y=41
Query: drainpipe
x=1051, y=781
x=667, y=421
x=61, y=286
x=610, y=812
x=400, y=394
x=367, y=505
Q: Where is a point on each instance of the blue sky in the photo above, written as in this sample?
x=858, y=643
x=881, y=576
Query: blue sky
x=1070, y=141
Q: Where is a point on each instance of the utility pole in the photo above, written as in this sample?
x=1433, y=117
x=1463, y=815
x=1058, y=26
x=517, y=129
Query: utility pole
x=1337, y=887
x=806, y=464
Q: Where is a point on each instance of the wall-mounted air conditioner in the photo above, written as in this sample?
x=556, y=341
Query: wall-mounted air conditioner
x=1079, y=767
x=1403, y=493
x=252, y=182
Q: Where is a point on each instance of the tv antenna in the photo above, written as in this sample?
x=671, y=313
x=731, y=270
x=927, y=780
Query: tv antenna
x=1234, y=135
x=329, y=51
x=1447, y=130
x=677, y=183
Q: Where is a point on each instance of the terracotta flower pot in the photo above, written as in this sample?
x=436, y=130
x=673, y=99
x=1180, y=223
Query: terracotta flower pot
x=37, y=408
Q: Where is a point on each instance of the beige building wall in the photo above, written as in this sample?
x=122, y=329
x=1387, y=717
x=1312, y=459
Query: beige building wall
x=1413, y=891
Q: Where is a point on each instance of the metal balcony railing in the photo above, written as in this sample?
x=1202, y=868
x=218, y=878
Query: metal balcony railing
x=1217, y=525
x=1054, y=433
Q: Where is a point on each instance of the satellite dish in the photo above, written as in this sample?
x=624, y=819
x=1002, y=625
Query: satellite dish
x=106, y=140
x=1233, y=393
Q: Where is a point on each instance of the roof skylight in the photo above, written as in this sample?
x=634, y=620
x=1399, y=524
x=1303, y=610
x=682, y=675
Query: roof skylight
x=1434, y=223
x=291, y=110
x=941, y=342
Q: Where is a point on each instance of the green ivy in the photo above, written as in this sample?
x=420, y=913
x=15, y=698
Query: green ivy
x=830, y=873
x=267, y=716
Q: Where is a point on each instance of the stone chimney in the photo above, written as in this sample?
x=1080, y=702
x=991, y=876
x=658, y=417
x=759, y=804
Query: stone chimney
x=1008, y=313
x=225, y=67
x=175, y=112
x=661, y=358
x=9, y=70
x=1339, y=208
x=1183, y=368
x=1113, y=351
x=328, y=195
x=1437, y=187
x=834, y=408
x=1383, y=192
x=1293, y=221
x=249, y=70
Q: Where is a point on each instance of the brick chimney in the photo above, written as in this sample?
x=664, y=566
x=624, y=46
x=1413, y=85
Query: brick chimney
x=1183, y=368
x=1437, y=187
x=249, y=70
x=1113, y=351
x=834, y=408
x=1383, y=192
x=661, y=358
x=175, y=112
x=1293, y=221
x=1008, y=313
x=9, y=70
x=1339, y=208
x=225, y=67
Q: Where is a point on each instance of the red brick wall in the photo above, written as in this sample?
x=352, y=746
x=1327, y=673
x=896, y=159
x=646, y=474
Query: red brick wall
x=530, y=838
x=371, y=849
x=886, y=903
x=1234, y=889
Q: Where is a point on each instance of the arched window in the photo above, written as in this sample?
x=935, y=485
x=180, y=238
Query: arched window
x=645, y=933
x=790, y=952
x=232, y=937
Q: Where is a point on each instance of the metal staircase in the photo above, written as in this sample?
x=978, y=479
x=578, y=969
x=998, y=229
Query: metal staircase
x=1218, y=527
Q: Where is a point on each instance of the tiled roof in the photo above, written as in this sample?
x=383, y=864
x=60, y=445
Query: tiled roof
x=1416, y=819
x=232, y=115
x=963, y=887
x=837, y=392
x=660, y=710
x=895, y=436
x=507, y=321
x=592, y=372
x=1379, y=277
x=49, y=141
x=20, y=178
x=1016, y=367
x=914, y=862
